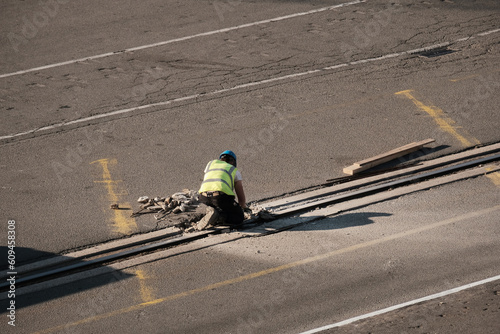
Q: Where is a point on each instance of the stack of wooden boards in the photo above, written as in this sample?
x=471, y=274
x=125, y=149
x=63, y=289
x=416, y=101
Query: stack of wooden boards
x=385, y=157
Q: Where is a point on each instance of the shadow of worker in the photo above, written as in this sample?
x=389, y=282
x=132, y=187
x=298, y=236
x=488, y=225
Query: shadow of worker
x=342, y=221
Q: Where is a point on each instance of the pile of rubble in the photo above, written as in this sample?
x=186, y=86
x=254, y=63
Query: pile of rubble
x=182, y=210
x=177, y=203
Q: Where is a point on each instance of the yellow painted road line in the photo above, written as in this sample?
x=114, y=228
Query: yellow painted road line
x=465, y=78
x=494, y=177
x=269, y=271
x=121, y=221
x=146, y=291
x=444, y=122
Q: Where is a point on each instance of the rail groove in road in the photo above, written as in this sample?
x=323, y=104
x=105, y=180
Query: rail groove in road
x=282, y=206
x=69, y=265
x=386, y=186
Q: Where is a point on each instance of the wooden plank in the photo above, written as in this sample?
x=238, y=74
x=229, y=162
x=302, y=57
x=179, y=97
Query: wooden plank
x=398, y=152
x=353, y=169
x=275, y=205
x=385, y=157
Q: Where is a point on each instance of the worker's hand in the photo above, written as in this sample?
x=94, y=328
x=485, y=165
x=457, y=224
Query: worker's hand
x=247, y=209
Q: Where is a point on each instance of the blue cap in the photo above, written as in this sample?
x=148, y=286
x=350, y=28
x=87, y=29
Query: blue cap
x=230, y=153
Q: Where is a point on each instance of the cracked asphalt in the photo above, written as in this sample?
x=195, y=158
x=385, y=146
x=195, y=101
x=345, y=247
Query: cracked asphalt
x=206, y=64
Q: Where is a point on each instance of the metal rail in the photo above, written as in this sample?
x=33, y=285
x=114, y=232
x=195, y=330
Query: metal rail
x=326, y=199
x=105, y=259
x=385, y=186
x=353, y=182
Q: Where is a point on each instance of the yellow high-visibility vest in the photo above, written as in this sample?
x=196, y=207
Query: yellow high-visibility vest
x=219, y=176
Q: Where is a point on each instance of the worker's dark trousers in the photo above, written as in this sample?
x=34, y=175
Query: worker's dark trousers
x=227, y=207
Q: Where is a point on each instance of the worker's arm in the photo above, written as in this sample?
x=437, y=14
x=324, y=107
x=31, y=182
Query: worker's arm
x=238, y=187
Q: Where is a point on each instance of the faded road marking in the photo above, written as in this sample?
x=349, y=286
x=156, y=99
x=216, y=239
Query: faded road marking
x=494, y=177
x=181, y=39
x=121, y=220
x=444, y=122
x=122, y=223
x=219, y=92
x=146, y=291
x=402, y=305
x=265, y=272
x=465, y=78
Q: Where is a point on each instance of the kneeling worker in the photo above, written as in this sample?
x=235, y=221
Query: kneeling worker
x=222, y=180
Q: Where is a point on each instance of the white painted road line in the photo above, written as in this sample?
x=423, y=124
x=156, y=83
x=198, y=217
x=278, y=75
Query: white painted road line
x=488, y=32
x=181, y=39
x=242, y=86
x=399, y=306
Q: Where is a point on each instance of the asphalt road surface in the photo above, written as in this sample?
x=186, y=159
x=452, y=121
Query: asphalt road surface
x=105, y=101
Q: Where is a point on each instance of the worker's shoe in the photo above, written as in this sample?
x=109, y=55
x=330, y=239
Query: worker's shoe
x=208, y=220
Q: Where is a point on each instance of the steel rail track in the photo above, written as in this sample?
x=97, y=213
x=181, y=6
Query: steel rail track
x=100, y=261
x=50, y=272
x=358, y=181
x=322, y=201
